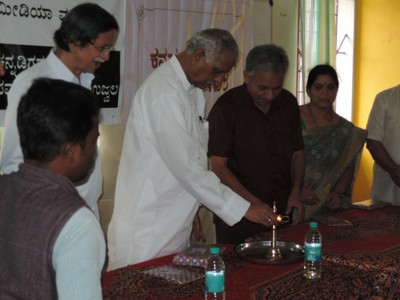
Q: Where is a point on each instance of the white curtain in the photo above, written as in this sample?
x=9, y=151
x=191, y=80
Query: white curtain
x=317, y=37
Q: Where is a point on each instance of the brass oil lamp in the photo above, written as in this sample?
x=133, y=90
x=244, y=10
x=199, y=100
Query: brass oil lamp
x=274, y=253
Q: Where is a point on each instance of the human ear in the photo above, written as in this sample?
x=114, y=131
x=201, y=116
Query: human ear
x=198, y=54
x=308, y=92
x=69, y=151
x=75, y=47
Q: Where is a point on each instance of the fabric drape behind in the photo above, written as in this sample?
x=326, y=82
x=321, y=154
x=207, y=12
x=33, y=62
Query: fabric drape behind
x=158, y=29
x=318, y=36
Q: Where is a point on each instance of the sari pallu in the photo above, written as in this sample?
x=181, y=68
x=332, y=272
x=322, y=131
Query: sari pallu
x=329, y=151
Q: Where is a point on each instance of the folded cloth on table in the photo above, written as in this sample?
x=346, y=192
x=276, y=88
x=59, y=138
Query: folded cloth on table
x=195, y=256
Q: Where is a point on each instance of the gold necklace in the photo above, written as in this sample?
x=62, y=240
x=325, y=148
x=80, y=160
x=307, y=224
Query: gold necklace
x=329, y=121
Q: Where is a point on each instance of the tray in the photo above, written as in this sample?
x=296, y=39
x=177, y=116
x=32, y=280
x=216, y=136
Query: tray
x=255, y=252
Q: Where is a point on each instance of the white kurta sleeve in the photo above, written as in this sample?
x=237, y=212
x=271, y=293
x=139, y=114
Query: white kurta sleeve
x=78, y=258
x=376, y=120
x=11, y=153
x=177, y=138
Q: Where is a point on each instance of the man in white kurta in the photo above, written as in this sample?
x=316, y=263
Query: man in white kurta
x=384, y=144
x=72, y=60
x=163, y=175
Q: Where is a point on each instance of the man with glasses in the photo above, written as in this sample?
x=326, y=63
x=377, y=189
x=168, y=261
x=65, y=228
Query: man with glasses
x=83, y=42
x=103, y=49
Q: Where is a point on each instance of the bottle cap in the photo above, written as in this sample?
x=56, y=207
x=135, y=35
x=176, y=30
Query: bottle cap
x=313, y=225
x=214, y=250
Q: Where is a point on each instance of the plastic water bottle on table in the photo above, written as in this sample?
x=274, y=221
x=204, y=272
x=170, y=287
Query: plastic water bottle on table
x=215, y=276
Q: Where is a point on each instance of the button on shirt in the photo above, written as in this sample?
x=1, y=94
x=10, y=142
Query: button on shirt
x=259, y=147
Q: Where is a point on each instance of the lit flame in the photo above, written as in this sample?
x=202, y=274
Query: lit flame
x=279, y=218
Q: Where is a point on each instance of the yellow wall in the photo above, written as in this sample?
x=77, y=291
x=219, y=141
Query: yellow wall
x=377, y=67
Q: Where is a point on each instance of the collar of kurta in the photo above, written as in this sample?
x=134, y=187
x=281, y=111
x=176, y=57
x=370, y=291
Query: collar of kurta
x=181, y=75
x=65, y=73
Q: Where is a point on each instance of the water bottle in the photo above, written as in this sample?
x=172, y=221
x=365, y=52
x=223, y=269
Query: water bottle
x=312, y=252
x=215, y=276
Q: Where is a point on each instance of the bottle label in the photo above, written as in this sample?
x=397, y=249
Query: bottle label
x=312, y=251
x=215, y=281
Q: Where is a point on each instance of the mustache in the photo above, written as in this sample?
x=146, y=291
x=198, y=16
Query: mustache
x=99, y=60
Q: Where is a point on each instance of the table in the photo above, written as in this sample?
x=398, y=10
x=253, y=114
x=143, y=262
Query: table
x=361, y=261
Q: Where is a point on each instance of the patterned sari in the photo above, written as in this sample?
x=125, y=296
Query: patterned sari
x=329, y=150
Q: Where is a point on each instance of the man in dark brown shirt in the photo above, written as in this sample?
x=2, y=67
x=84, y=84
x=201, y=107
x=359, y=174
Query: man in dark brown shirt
x=255, y=143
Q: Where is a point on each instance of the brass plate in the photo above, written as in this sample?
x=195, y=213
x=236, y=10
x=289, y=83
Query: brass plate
x=256, y=252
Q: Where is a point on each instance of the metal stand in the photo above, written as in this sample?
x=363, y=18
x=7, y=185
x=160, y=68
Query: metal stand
x=273, y=252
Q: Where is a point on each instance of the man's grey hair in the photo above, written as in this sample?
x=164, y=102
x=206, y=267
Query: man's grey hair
x=267, y=58
x=214, y=41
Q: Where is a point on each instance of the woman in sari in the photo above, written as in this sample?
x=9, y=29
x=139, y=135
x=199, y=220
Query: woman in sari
x=332, y=146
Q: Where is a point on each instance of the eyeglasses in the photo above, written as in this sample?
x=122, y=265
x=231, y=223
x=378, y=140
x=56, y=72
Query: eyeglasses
x=103, y=49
